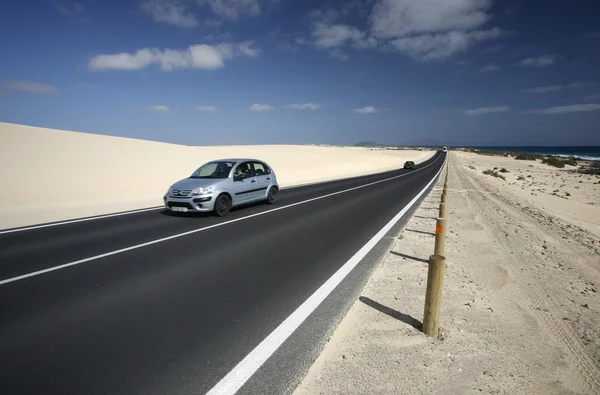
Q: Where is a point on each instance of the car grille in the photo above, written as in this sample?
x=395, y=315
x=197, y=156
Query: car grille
x=181, y=192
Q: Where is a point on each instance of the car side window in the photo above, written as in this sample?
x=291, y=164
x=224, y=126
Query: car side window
x=244, y=170
x=260, y=169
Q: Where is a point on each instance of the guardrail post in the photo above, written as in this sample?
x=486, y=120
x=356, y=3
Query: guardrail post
x=440, y=236
x=433, y=295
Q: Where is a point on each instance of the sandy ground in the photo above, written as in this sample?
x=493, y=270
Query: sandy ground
x=574, y=198
x=51, y=175
x=520, y=310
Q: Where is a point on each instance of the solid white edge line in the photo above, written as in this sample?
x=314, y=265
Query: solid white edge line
x=134, y=247
x=238, y=376
x=72, y=221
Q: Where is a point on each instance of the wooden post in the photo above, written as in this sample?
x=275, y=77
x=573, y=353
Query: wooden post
x=440, y=236
x=442, y=210
x=433, y=295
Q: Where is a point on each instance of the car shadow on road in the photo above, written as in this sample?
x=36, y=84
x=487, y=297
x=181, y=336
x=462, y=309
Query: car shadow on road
x=420, y=231
x=414, y=258
x=407, y=319
x=196, y=215
x=169, y=213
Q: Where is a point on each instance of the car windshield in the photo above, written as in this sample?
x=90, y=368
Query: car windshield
x=214, y=170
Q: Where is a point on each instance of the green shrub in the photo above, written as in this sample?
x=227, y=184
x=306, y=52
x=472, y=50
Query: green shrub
x=554, y=161
x=494, y=174
x=526, y=156
x=487, y=152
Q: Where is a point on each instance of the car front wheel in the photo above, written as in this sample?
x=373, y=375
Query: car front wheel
x=222, y=205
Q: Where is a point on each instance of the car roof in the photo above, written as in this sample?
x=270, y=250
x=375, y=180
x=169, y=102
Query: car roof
x=237, y=160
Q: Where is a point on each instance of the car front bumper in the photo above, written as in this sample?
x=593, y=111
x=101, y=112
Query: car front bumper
x=198, y=204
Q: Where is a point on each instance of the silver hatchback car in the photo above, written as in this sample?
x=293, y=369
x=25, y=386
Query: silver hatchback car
x=222, y=184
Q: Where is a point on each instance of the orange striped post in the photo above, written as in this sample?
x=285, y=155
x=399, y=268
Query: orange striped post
x=440, y=236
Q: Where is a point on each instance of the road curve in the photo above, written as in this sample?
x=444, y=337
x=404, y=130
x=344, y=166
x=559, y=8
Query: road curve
x=154, y=303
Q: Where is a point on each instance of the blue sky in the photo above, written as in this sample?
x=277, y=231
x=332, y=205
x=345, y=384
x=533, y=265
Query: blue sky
x=203, y=72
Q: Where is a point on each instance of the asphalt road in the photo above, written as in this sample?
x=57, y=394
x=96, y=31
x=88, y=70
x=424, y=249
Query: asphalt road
x=177, y=315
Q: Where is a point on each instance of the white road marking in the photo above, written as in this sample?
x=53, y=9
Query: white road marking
x=72, y=221
x=134, y=247
x=238, y=376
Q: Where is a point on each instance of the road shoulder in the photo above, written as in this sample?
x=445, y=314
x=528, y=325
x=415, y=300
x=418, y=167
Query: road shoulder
x=510, y=325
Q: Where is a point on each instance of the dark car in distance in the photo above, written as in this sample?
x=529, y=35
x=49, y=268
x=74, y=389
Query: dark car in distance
x=409, y=164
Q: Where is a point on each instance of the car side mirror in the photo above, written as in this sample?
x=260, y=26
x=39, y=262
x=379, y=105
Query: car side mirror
x=237, y=177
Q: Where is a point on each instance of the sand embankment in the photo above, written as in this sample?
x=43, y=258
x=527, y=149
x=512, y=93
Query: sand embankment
x=50, y=175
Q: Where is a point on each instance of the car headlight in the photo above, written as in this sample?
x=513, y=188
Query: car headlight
x=202, y=191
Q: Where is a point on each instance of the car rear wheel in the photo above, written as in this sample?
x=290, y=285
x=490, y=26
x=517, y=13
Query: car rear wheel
x=222, y=205
x=272, y=196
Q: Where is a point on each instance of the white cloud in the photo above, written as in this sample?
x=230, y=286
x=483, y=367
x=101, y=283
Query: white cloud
x=366, y=43
x=236, y=9
x=338, y=54
x=487, y=110
x=248, y=49
x=545, y=89
x=425, y=30
x=305, y=106
x=539, y=61
x=566, y=109
x=490, y=68
x=428, y=47
x=261, y=107
x=329, y=36
x=30, y=87
x=174, y=12
x=327, y=16
x=556, y=88
x=398, y=18
x=199, y=56
x=207, y=108
x=160, y=108
x=580, y=85
x=368, y=110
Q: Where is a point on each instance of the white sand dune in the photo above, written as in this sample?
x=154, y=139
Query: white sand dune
x=50, y=175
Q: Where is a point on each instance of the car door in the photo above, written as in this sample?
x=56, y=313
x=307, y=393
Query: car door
x=263, y=179
x=244, y=183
